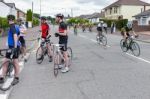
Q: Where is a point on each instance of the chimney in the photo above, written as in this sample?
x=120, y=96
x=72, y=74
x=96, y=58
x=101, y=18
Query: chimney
x=144, y=8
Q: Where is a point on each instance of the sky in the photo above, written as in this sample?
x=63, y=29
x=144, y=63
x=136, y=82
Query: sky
x=52, y=7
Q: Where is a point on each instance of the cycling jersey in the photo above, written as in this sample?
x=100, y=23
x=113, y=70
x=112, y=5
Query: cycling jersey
x=62, y=28
x=45, y=30
x=14, y=29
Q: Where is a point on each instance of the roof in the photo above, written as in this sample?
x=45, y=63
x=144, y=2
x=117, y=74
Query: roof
x=128, y=2
x=5, y=3
x=145, y=13
x=11, y=5
x=96, y=15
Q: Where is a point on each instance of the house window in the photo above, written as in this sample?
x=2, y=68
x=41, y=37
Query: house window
x=144, y=21
x=110, y=10
x=116, y=10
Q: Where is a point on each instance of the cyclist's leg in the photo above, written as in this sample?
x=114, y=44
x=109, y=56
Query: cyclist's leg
x=66, y=59
x=5, y=67
x=50, y=54
x=24, y=46
x=16, y=67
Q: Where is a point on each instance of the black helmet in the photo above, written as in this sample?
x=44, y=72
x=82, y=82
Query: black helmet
x=43, y=18
x=19, y=20
x=10, y=17
x=60, y=15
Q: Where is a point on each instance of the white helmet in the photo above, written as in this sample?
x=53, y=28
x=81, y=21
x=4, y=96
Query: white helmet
x=101, y=22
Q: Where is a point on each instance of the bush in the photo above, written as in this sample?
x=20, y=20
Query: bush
x=3, y=23
x=35, y=22
x=119, y=23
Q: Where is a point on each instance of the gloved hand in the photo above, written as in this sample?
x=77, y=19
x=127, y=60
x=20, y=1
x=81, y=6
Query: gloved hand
x=56, y=34
x=48, y=36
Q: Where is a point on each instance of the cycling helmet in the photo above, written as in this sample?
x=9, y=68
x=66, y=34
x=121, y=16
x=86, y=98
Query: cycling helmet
x=101, y=22
x=60, y=15
x=43, y=18
x=10, y=17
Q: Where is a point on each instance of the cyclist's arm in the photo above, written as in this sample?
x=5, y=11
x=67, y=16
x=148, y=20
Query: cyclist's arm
x=15, y=36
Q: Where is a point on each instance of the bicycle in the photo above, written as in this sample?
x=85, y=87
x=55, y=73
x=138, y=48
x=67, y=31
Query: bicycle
x=42, y=51
x=130, y=44
x=10, y=65
x=101, y=39
x=59, y=58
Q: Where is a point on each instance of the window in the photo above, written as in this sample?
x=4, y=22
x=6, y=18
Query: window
x=143, y=21
x=110, y=10
x=116, y=10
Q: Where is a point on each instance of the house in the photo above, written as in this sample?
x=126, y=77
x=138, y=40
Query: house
x=125, y=9
x=95, y=17
x=5, y=9
x=10, y=8
x=142, y=21
x=143, y=18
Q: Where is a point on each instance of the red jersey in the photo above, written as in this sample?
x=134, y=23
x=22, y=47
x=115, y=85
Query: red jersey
x=45, y=30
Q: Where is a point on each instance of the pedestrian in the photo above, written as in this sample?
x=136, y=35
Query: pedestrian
x=113, y=28
x=105, y=27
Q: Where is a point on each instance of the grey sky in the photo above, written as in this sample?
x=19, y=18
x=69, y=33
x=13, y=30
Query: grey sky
x=51, y=7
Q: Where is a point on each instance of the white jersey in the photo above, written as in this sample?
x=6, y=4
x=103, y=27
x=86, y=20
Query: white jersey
x=23, y=30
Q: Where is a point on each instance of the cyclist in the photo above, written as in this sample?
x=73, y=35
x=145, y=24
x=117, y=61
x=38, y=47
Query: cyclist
x=63, y=39
x=45, y=35
x=13, y=43
x=100, y=28
x=23, y=30
x=125, y=32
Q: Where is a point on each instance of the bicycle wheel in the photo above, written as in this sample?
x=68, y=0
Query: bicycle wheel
x=135, y=48
x=70, y=56
x=50, y=56
x=39, y=55
x=123, y=45
x=56, y=64
x=97, y=39
x=103, y=39
x=10, y=69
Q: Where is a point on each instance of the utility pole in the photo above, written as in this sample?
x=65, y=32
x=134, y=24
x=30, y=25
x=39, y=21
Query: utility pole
x=71, y=12
x=40, y=12
x=32, y=13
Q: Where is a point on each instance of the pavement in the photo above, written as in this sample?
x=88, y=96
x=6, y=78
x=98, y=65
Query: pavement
x=97, y=72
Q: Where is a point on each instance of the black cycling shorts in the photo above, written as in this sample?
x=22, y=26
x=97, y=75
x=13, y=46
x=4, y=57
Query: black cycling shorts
x=22, y=41
x=63, y=48
x=16, y=53
x=45, y=40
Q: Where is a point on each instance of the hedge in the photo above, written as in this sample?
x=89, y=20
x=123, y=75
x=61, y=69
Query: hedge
x=36, y=22
x=119, y=23
x=3, y=23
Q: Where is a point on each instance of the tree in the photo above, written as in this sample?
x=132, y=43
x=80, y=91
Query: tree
x=36, y=15
x=29, y=15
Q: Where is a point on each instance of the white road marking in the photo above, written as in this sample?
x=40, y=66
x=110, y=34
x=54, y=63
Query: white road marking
x=144, y=60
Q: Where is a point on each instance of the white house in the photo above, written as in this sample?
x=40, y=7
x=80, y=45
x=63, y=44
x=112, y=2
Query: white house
x=143, y=18
x=125, y=9
x=5, y=9
x=10, y=8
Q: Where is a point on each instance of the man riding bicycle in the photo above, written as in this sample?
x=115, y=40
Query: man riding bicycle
x=127, y=30
x=13, y=43
x=100, y=28
x=63, y=39
x=45, y=36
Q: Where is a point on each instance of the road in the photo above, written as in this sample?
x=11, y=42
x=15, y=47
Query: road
x=97, y=72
